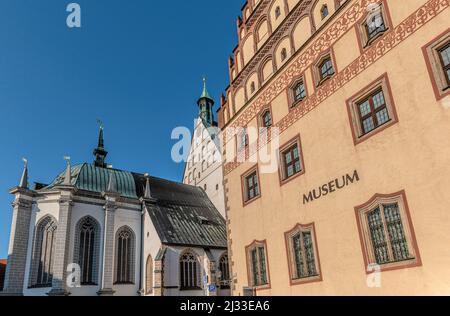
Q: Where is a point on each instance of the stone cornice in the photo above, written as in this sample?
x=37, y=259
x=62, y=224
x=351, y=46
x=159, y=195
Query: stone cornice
x=22, y=191
x=22, y=204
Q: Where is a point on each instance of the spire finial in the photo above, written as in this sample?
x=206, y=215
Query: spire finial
x=24, y=179
x=205, y=103
x=100, y=153
x=205, y=93
x=68, y=173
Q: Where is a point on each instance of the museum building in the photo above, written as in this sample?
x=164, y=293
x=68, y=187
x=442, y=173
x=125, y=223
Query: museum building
x=352, y=97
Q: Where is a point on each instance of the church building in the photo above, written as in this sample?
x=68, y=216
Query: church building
x=96, y=230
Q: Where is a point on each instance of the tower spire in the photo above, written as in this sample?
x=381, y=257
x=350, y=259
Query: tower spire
x=205, y=93
x=100, y=153
x=205, y=104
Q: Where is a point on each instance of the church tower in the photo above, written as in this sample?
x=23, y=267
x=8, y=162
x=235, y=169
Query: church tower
x=205, y=104
x=100, y=153
x=204, y=163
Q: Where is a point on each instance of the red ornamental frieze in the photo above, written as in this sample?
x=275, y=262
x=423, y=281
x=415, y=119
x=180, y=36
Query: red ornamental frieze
x=392, y=39
x=320, y=45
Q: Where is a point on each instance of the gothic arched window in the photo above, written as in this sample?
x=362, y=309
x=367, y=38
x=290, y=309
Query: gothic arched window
x=149, y=275
x=189, y=271
x=87, y=249
x=224, y=269
x=44, y=250
x=125, y=249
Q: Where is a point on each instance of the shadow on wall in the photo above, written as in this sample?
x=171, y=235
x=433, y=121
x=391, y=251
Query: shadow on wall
x=2, y=273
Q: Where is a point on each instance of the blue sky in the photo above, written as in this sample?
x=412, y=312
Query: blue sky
x=135, y=64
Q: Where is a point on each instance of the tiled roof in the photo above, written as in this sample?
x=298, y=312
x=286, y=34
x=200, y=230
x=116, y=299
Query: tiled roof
x=3, y=262
x=184, y=215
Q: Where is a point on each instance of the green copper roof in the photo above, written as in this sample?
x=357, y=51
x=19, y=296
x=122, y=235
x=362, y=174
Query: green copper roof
x=95, y=179
x=205, y=93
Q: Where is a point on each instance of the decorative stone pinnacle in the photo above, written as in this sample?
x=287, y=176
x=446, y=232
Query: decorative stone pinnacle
x=24, y=179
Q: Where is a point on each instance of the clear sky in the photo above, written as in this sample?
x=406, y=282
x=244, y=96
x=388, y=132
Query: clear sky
x=135, y=64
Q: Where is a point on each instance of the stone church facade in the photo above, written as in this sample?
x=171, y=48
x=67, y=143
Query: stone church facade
x=101, y=231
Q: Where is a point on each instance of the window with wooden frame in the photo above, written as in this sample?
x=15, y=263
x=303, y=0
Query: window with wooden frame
x=371, y=110
x=242, y=139
x=374, y=24
x=444, y=54
x=437, y=56
x=303, y=257
x=298, y=92
x=258, y=274
x=251, y=186
x=266, y=119
x=324, y=69
x=387, y=234
x=291, y=160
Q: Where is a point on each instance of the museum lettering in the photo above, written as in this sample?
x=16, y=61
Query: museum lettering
x=331, y=187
